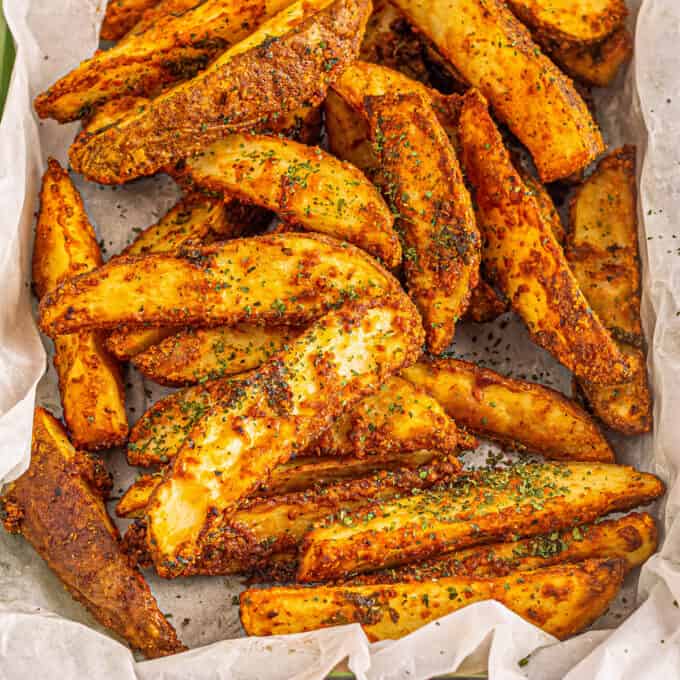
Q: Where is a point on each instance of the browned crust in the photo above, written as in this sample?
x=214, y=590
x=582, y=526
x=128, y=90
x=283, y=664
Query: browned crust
x=55, y=509
x=122, y=15
x=485, y=303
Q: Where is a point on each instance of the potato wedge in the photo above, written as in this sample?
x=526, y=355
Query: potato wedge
x=526, y=90
x=422, y=181
x=485, y=303
x=278, y=279
x=264, y=533
x=562, y=600
x=162, y=9
x=545, y=203
x=126, y=343
x=285, y=405
x=525, y=261
x=122, y=15
x=90, y=384
x=603, y=253
x=306, y=187
x=303, y=41
x=174, y=48
x=522, y=414
x=523, y=500
x=58, y=512
x=571, y=21
x=632, y=538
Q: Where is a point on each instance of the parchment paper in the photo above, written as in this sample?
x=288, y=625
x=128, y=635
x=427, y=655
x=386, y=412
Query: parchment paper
x=44, y=633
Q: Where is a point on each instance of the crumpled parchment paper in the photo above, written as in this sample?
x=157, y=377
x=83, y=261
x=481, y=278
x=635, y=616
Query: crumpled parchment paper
x=44, y=633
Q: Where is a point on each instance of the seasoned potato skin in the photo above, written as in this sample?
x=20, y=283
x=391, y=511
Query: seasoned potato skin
x=304, y=185
x=90, y=383
x=491, y=506
x=65, y=520
x=174, y=48
x=122, y=15
x=485, y=303
x=536, y=100
x=342, y=357
x=194, y=114
x=522, y=414
x=525, y=261
x=421, y=180
x=277, y=279
x=562, y=600
x=602, y=251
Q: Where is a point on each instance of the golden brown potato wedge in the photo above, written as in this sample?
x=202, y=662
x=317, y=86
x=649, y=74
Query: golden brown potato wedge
x=303, y=41
x=174, y=48
x=126, y=343
x=522, y=414
x=306, y=187
x=523, y=500
x=284, y=406
x=602, y=250
x=571, y=21
x=162, y=9
x=545, y=203
x=632, y=538
x=421, y=179
x=562, y=600
x=485, y=303
x=526, y=90
x=122, y=15
x=277, y=279
x=58, y=512
x=523, y=258
x=90, y=385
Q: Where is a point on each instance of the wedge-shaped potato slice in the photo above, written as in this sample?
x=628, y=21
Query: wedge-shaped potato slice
x=632, y=538
x=90, y=385
x=544, y=201
x=485, y=303
x=526, y=90
x=525, y=415
x=285, y=405
x=603, y=253
x=304, y=47
x=174, y=48
x=196, y=354
x=304, y=185
x=524, y=500
x=420, y=177
x=525, y=261
x=161, y=9
x=122, y=15
x=58, y=512
x=286, y=278
x=562, y=600
x=126, y=343
x=264, y=533
x=571, y=21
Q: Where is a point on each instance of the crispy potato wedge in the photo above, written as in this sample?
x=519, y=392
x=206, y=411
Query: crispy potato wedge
x=305, y=47
x=562, y=600
x=545, y=203
x=174, y=48
x=526, y=90
x=603, y=253
x=122, y=15
x=285, y=405
x=304, y=185
x=523, y=500
x=422, y=181
x=522, y=414
x=264, y=533
x=126, y=343
x=162, y=9
x=632, y=538
x=523, y=258
x=90, y=384
x=60, y=515
x=196, y=354
x=571, y=21
x=485, y=303
x=277, y=279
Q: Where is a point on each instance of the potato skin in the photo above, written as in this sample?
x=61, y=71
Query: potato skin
x=519, y=413
x=57, y=511
x=526, y=90
x=525, y=261
x=192, y=115
x=492, y=506
x=562, y=600
x=90, y=385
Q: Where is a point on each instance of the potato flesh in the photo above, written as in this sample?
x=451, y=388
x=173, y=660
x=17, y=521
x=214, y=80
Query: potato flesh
x=561, y=600
x=530, y=94
x=525, y=261
x=304, y=185
x=524, y=500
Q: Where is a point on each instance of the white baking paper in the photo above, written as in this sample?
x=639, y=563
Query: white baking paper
x=44, y=633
